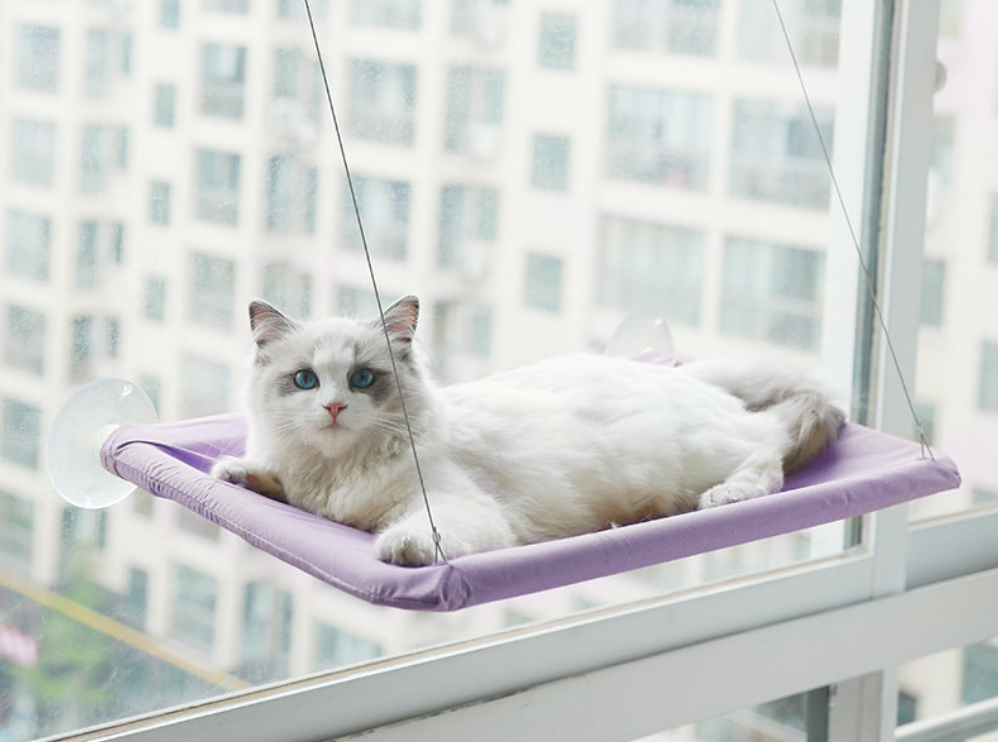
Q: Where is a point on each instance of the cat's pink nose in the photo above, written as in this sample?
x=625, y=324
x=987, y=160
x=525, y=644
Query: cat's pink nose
x=334, y=409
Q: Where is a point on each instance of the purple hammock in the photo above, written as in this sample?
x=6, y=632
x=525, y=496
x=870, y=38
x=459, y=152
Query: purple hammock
x=863, y=471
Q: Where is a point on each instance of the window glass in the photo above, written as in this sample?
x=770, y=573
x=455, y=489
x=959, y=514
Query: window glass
x=957, y=366
x=535, y=176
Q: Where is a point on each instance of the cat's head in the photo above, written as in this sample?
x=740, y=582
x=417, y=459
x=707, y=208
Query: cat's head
x=330, y=385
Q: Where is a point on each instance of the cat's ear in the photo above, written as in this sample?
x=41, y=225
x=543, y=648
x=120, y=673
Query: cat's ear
x=268, y=324
x=401, y=317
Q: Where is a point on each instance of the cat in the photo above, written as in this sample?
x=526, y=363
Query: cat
x=567, y=446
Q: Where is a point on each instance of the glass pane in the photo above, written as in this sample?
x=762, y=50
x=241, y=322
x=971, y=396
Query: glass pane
x=956, y=385
x=538, y=186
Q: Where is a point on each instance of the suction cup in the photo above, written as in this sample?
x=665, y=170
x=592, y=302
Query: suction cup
x=640, y=333
x=79, y=429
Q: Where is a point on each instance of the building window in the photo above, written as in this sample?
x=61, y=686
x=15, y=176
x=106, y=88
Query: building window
x=88, y=255
x=652, y=269
x=384, y=206
x=97, y=74
x=154, y=388
x=223, y=80
x=101, y=146
x=670, y=26
x=82, y=349
x=169, y=13
x=475, y=108
x=549, y=168
x=993, y=230
x=32, y=152
x=987, y=394
x=194, y=597
x=980, y=673
x=403, y=14
x=21, y=433
x=159, y=203
x=164, y=105
x=469, y=218
x=287, y=288
x=204, y=387
x=382, y=101
x=933, y=288
x=772, y=293
x=218, y=186
x=292, y=190
x=226, y=6
x=543, y=282
x=659, y=136
x=335, y=647
x=776, y=155
x=266, y=628
x=135, y=601
x=557, y=42
x=462, y=332
x=36, y=58
x=287, y=65
x=813, y=25
x=295, y=10
x=29, y=242
x=17, y=523
x=212, y=283
x=155, y=300
x=25, y=340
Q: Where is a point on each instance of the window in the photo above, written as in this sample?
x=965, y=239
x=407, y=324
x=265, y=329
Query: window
x=204, y=387
x=135, y=602
x=266, y=628
x=549, y=169
x=384, y=208
x=32, y=152
x=223, y=80
x=88, y=258
x=814, y=26
x=557, y=43
x=226, y=6
x=653, y=269
x=29, y=245
x=288, y=289
x=95, y=153
x=194, y=597
x=336, y=647
x=987, y=396
x=155, y=299
x=164, y=105
x=17, y=521
x=212, y=285
x=97, y=73
x=659, y=136
x=772, y=292
x=292, y=187
x=382, y=101
x=670, y=26
x=543, y=282
x=169, y=13
x=36, y=58
x=776, y=155
x=475, y=108
x=404, y=14
x=22, y=428
x=159, y=202
x=980, y=673
x=469, y=217
x=82, y=348
x=933, y=292
x=25, y=340
x=218, y=186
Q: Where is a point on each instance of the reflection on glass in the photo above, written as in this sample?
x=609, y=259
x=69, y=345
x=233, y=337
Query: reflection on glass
x=166, y=165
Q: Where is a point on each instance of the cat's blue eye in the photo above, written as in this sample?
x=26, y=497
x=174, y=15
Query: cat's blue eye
x=306, y=379
x=362, y=378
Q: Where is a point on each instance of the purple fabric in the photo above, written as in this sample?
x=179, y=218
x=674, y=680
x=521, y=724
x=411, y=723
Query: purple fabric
x=864, y=471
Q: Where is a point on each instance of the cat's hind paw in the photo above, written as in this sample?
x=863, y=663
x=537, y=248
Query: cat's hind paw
x=722, y=494
x=245, y=474
x=405, y=547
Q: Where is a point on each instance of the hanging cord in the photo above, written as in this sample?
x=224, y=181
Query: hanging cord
x=374, y=283
x=852, y=234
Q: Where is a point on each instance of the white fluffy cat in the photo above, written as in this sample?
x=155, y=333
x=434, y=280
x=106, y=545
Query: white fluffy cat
x=563, y=447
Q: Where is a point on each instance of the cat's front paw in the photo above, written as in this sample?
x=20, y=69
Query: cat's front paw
x=246, y=474
x=405, y=547
x=722, y=494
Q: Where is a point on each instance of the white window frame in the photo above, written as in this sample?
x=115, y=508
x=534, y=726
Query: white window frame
x=847, y=622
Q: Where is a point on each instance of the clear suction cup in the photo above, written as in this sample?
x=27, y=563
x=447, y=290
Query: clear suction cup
x=640, y=333
x=79, y=429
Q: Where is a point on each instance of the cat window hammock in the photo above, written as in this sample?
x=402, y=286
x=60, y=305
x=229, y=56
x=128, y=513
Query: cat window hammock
x=865, y=470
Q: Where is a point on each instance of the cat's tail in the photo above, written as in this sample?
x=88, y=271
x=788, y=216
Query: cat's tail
x=800, y=402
